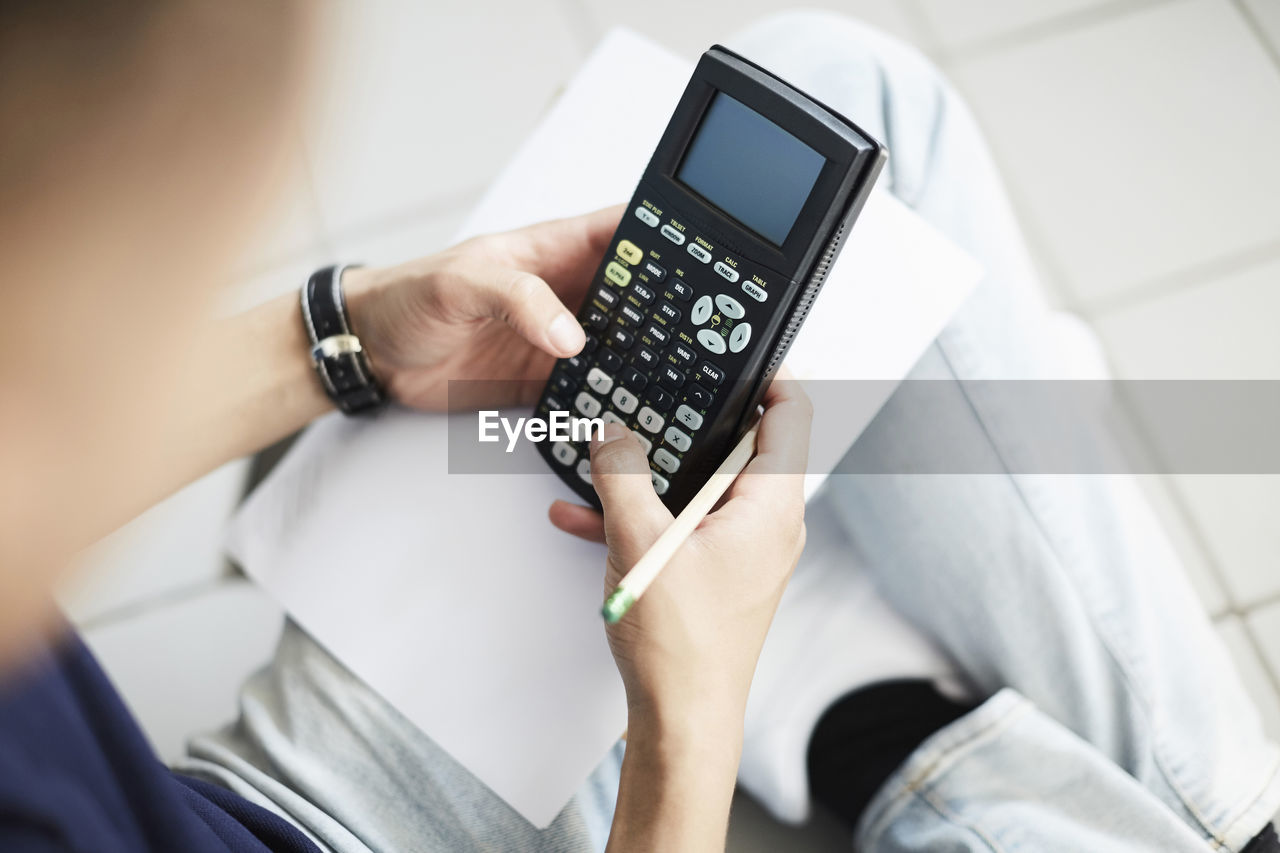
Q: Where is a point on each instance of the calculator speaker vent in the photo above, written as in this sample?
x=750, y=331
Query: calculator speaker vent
x=806, y=299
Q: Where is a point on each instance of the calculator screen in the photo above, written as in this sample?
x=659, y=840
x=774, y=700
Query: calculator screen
x=750, y=168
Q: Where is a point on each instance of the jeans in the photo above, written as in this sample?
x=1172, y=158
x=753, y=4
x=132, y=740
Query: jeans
x=1113, y=719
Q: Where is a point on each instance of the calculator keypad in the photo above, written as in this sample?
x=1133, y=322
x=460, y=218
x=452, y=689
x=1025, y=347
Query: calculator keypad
x=670, y=307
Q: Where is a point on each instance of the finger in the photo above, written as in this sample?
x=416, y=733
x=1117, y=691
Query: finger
x=567, y=251
x=524, y=302
x=633, y=514
x=581, y=521
x=782, y=446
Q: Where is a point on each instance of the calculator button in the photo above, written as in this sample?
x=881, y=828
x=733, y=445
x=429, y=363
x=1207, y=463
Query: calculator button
x=587, y=404
x=673, y=234
x=630, y=252
x=658, y=334
x=661, y=399
x=646, y=216
x=577, y=365
x=730, y=307
x=631, y=314
x=671, y=377
x=683, y=354
x=656, y=272
x=642, y=293
x=666, y=460
x=554, y=404
x=564, y=453
x=754, y=291
x=701, y=310
x=726, y=271
x=563, y=382
x=740, y=337
x=660, y=483
x=669, y=312
x=682, y=291
x=711, y=373
x=633, y=378
x=689, y=417
x=584, y=470
x=610, y=361
x=607, y=297
x=677, y=439
x=650, y=420
x=625, y=400
x=712, y=340
x=617, y=273
x=646, y=356
x=699, y=396
x=599, y=381
x=591, y=344
x=612, y=418
x=700, y=253
x=644, y=442
x=621, y=338
x=597, y=320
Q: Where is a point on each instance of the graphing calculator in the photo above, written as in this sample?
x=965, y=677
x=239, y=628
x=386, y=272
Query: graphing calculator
x=716, y=263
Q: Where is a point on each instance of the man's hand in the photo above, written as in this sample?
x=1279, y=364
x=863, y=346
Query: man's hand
x=490, y=308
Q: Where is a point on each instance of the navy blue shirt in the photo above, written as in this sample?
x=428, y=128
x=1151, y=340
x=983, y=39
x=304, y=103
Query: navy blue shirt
x=76, y=773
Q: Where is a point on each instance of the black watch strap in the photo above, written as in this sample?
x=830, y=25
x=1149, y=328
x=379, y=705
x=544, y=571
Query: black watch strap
x=337, y=353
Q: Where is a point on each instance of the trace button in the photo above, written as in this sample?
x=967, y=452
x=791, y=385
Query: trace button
x=726, y=271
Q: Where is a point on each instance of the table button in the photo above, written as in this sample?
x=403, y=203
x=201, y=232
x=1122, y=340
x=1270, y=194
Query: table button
x=727, y=271
x=730, y=307
x=673, y=234
x=671, y=377
x=677, y=439
x=699, y=396
x=610, y=360
x=617, y=273
x=633, y=378
x=625, y=400
x=666, y=460
x=607, y=297
x=740, y=337
x=658, y=334
x=631, y=315
x=644, y=294
x=700, y=253
x=682, y=291
x=587, y=404
x=669, y=312
x=564, y=452
x=660, y=484
x=712, y=340
x=754, y=291
x=650, y=420
x=647, y=217
x=621, y=338
x=630, y=252
x=644, y=442
x=584, y=470
x=597, y=320
x=599, y=381
x=655, y=272
x=683, y=354
x=689, y=417
x=646, y=356
x=711, y=373
x=701, y=310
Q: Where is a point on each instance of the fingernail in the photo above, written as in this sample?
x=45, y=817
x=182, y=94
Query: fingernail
x=565, y=334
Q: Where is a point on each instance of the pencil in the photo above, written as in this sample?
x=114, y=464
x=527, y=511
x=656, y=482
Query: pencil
x=646, y=569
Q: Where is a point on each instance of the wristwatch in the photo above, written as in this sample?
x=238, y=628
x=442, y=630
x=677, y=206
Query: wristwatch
x=336, y=352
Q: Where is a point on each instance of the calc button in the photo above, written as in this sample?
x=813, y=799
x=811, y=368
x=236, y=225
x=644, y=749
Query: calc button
x=700, y=253
x=699, y=396
x=689, y=417
x=740, y=337
x=612, y=418
x=587, y=404
x=669, y=312
x=631, y=315
x=683, y=354
x=711, y=373
x=647, y=217
x=584, y=470
x=682, y=290
x=666, y=460
x=646, y=356
x=577, y=365
x=673, y=234
x=661, y=399
x=701, y=310
x=727, y=271
x=621, y=338
x=563, y=382
x=607, y=297
x=610, y=360
x=655, y=271
x=644, y=442
x=712, y=340
x=633, y=378
x=660, y=483
x=658, y=334
x=650, y=420
x=630, y=252
x=644, y=294
x=730, y=307
x=677, y=439
x=625, y=400
x=599, y=381
x=564, y=453
x=671, y=377
x=617, y=273
x=597, y=320
x=754, y=291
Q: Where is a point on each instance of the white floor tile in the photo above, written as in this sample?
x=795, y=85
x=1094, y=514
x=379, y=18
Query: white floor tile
x=1253, y=672
x=418, y=101
x=691, y=28
x=1140, y=146
x=1267, y=14
x=957, y=22
x=180, y=666
x=1237, y=517
x=753, y=830
x=1197, y=566
x=176, y=544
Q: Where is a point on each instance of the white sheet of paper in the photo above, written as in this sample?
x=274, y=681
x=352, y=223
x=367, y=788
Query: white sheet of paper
x=451, y=595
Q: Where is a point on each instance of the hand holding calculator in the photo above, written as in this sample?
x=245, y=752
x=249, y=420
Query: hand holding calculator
x=716, y=263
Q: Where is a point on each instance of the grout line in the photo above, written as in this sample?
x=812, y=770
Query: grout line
x=1066, y=22
x=168, y=598
x=1259, y=31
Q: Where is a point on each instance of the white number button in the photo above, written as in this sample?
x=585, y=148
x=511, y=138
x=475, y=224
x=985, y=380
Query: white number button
x=587, y=404
x=688, y=417
x=650, y=420
x=739, y=337
x=647, y=217
x=584, y=470
x=701, y=311
x=612, y=418
x=730, y=307
x=666, y=460
x=564, y=453
x=660, y=483
x=712, y=340
x=599, y=381
x=677, y=439
x=625, y=400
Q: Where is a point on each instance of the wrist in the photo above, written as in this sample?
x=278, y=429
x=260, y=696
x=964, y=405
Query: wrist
x=708, y=737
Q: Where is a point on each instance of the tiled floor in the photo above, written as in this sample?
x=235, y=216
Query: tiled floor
x=1139, y=139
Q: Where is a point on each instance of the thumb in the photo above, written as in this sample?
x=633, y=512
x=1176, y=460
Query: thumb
x=633, y=514
x=527, y=304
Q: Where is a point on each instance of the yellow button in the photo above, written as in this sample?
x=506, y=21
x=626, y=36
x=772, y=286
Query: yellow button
x=617, y=273
x=630, y=252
